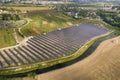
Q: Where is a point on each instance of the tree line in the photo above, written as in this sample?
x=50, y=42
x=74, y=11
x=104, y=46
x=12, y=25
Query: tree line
x=112, y=18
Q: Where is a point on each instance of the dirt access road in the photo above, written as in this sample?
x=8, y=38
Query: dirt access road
x=102, y=64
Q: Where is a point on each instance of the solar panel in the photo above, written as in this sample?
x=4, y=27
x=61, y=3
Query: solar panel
x=20, y=60
x=51, y=45
x=22, y=55
x=13, y=60
x=8, y=63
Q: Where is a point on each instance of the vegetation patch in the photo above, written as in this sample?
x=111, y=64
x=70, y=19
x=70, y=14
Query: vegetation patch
x=6, y=38
x=44, y=21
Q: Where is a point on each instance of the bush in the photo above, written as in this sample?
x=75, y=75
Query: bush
x=10, y=17
x=2, y=78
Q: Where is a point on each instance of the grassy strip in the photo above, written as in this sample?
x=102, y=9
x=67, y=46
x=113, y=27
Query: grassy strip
x=45, y=64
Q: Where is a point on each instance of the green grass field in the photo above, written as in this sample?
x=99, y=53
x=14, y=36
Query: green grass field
x=6, y=38
x=45, y=20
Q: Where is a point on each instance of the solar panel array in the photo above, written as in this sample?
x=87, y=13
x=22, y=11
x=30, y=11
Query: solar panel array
x=52, y=45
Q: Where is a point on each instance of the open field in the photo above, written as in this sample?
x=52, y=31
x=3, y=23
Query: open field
x=102, y=64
